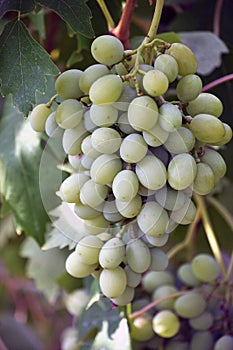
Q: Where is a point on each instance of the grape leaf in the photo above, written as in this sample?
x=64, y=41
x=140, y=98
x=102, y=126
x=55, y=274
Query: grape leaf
x=23, y=65
x=20, y=155
x=75, y=12
x=16, y=5
x=7, y=229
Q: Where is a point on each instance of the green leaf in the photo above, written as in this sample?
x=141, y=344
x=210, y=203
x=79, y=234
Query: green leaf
x=16, y=5
x=20, y=154
x=38, y=22
x=23, y=65
x=169, y=37
x=75, y=12
x=7, y=229
x=44, y=267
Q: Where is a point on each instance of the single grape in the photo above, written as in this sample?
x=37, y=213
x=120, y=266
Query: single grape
x=151, y=172
x=143, y=113
x=159, y=260
x=133, y=278
x=107, y=49
x=185, y=58
x=104, y=168
x=164, y=292
x=106, y=140
x=153, y=279
x=133, y=148
x=156, y=136
x=225, y=342
x=205, y=103
x=106, y=89
x=202, y=322
x=190, y=305
x=141, y=328
x=96, y=225
x=105, y=115
x=168, y=65
x=204, y=180
x=90, y=75
x=125, y=298
x=71, y=186
x=125, y=185
x=134, y=249
x=88, y=248
x=67, y=84
x=155, y=82
x=180, y=141
x=170, y=199
x=76, y=268
x=139, y=76
x=227, y=137
x=38, y=117
x=186, y=275
x=72, y=139
x=215, y=161
x=129, y=209
x=88, y=149
x=188, y=87
x=205, y=267
x=112, y=253
x=93, y=194
x=202, y=340
x=157, y=241
x=113, y=282
x=69, y=113
x=166, y=324
x=51, y=127
x=170, y=116
x=85, y=212
x=181, y=171
x=184, y=215
x=86, y=161
x=207, y=128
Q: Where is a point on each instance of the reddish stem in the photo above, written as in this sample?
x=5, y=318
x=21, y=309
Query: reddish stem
x=217, y=15
x=217, y=82
x=121, y=31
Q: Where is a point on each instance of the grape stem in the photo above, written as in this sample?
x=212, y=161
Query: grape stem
x=52, y=99
x=222, y=210
x=210, y=232
x=106, y=14
x=217, y=82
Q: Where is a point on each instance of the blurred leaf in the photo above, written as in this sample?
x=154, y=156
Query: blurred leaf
x=169, y=37
x=56, y=239
x=24, y=65
x=208, y=58
x=44, y=267
x=20, y=155
x=75, y=12
x=16, y=5
x=7, y=229
x=38, y=22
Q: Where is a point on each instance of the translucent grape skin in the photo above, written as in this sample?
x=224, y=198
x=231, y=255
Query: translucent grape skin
x=207, y=128
x=67, y=84
x=125, y=185
x=113, y=282
x=91, y=74
x=188, y=87
x=133, y=148
x=225, y=342
x=112, y=253
x=107, y=49
x=168, y=65
x=166, y=324
x=38, y=117
x=143, y=113
x=141, y=328
x=182, y=170
x=205, y=103
x=185, y=58
x=88, y=248
x=69, y=114
x=204, y=181
x=151, y=172
x=155, y=82
x=104, y=168
x=190, y=305
x=134, y=249
x=76, y=268
x=205, y=267
x=106, y=89
x=170, y=117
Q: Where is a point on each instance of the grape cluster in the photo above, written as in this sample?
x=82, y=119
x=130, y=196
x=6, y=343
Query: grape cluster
x=137, y=156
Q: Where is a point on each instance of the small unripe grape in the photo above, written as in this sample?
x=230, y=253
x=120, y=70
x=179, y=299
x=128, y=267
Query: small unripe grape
x=85, y=212
x=151, y=172
x=180, y=141
x=133, y=148
x=67, y=84
x=93, y=194
x=156, y=136
x=205, y=267
x=186, y=275
x=185, y=58
x=141, y=328
x=106, y=140
x=107, y=49
x=184, y=215
x=166, y=324
x=188, y=87
x=113, y=282
x=163, y=292
x=154, y=279
x=38, y=116
x=190, y=305
x=202, y=340
x=207, y=128
x=133, y=278
x=168, y=65
x=125, y=185
x=105, y=115
x=72, y=139
x=155, y=82
x=96, y=225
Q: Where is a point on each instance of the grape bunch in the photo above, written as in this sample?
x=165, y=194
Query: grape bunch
x=137, y=154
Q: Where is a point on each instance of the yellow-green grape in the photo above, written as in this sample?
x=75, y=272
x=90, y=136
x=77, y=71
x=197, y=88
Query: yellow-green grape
x=106, y=89
x=85, y=212
x=143, y=68
x=88, y=149
x=96, y=225
x=215, y=161
x=185, y=58
x=67, y=84
x=71, y=186
x=106, y=140
x=168, y=65
x=151, y=172
x=143, y=113
x=128, y=94
x=112, y=253
x=156, y=136
x=91, y=74
x=165, y=292
x=51, y=127
x=141, y=328
x=186, y=275
x=113, y=282
x=88, y=123
x=133, y=148
x=154, y=279
x=227, y=137
x=110, y=211
x=124, y=125
x=190, y=305
x=72, y=139
x=157, y=241
x=93, y=194
x=204, y=180
x=159, y=260
x=76, y=268
x=153, y=219
x=69, y=114
x=170, y=116
x=125, y=298
x=202, y=340
x=88, y=248
x=103, y=115
x=104, y=168
x=180, y=141
x=184, y=215
x=205, y=267
x=207, y=128
x=189, y=87
x=129, y=209
x=181, y=171
x=155, y=82
x=205, y=103
x=166, y=324
x=87, y=162
x=107, y=49
x=170, y=199
x=38, y=117
x=125, y=185
x=133, y=278
x=202, y=322
x=137, y=248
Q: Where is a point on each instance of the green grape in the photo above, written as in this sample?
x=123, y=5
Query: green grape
x=185, y=58
x=90, y=75
x=154, y=279
x=207, y=128
x=157, y=241
x=170, y=199
x=137, y=248
x=164, y=292
x=110, y=211
x=76, y=268
x=145, y=192
x=205, y=267
x=225, y=342
x=104, y=168
x=155, y=82
x=176, y=345
x=113, y=282
x=51, y=127
x=71, y=186
x=184, y=215
x=205, y=103
x=151, y=172
x=125, y=185
x=112, y=253
x=106, y=140
x=180, y=141
x=72, y=139
x=186, y=275
x=190, y=305
x=202, y=340
x=89, y=248
x=96, y=225
x=107, y=49
x=88, y=149
x=159, y=260
x=141, y=328
x=127, y=95
x=181, y=171
x=124, y=67
x=143, y=113
x=156, y=136
x=106, y=89
x=105, y=115
x=88, y=123
x=170, y=116
x=93, y=194
x=124, y=125
x=125, y=298
x=215, y=161
x=129, y=209
x=133, y=278
x=133, y=148
x=153, y=219
x=85, y=212
x=67, y=84
x=38, y=117
x=168, y=65
x=69, y=114
x=166, y=324
x=202, y=322
x=87, y=162
x=227, y=137
x=205, y=180
x=188, y=87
